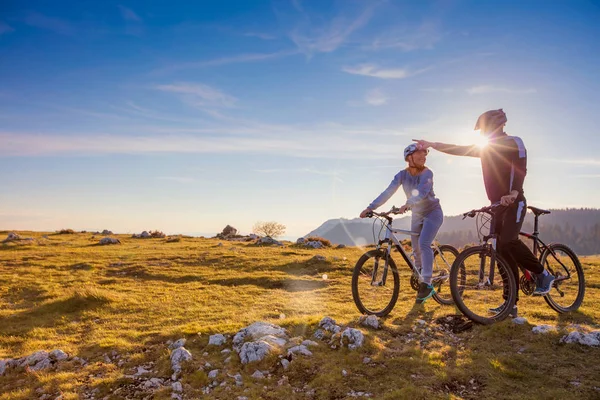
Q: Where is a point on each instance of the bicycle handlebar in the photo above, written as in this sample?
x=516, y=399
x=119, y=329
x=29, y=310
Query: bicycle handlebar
x=394, y=210
x=487, y=210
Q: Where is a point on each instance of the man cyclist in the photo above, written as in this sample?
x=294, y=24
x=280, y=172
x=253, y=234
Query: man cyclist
x=504, y=166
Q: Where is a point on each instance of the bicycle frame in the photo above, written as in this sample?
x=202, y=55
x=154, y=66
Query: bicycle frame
x=540, y=247
x=391, y=238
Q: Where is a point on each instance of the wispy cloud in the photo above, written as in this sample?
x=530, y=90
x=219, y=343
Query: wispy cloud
x=438, y=90
x=178, y=179
x=263, y=36
x=580, y=162
x=128, y=14
x=333, y=174
x=242, y=58
x=325, y=39
x=376, y=97
x=484, y=89
x=308, y=142
x=53, y=24
x=298, y=5
x=5, y=28
x=383, y=73
x=408, y=39
x=200, y=94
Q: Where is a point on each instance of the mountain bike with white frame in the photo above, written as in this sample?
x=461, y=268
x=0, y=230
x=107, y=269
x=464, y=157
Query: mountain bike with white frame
x=376, y=281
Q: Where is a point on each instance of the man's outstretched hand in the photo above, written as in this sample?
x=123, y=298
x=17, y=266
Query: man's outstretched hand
x=423, y=144
x=364, y=213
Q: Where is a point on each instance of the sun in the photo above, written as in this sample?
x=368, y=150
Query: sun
x=480, y=141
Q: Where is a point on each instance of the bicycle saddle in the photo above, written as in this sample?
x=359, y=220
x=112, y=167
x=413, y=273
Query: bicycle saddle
x=538, y=211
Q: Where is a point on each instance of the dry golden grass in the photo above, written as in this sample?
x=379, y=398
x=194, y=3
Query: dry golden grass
x=64, y=291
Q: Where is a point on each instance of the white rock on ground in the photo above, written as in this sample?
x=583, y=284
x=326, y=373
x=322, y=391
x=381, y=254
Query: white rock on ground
x=309, y=343
x=285, y=363
x=108, y=240
x=4, y=366
x=319, y=334
x=213, y=374
x=328, y=324
x=177, y=387
x=519, y=320
x=302, y=349
x=179, y=343
x=258, y=340
x=586, y=339
x=255, y=351
x=315, y=244
x=353, y=337
x=58, y=355
x=543, y=329
x=12, y=236
x=141, y=371
x=258, y=375
x=153, y=383
x=216, y=340
x=33, y=358
x=256, y=331
x=178, y=356
x=268, y=240
x=370, y=321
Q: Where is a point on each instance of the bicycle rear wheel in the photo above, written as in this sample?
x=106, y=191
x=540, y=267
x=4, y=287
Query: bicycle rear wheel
x=567, y=294
x=442, y=264
x=373, y=292
x=477, y=288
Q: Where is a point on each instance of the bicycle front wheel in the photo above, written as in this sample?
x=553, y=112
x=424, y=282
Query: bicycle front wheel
x=375, y=283
x=482, y=292
x=442, y=264
x=568, y=290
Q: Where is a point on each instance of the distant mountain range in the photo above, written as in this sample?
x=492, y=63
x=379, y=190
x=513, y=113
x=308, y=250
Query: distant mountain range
x=578, y=228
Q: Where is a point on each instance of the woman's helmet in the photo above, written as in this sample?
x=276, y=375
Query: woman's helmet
x=491, y=120
x=411, y=148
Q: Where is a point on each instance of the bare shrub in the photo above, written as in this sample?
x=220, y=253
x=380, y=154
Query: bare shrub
x=271, y=229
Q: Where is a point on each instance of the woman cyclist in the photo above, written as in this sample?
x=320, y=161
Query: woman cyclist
x=427, y=215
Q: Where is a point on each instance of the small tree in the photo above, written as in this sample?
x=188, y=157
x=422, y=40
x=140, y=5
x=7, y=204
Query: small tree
x=271, y=229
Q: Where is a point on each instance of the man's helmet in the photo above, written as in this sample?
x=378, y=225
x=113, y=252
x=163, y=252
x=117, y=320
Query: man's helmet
x=491, y=120
x=411, y=148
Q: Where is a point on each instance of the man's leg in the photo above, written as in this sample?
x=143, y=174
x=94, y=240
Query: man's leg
x=520, y=252
x=512, y=247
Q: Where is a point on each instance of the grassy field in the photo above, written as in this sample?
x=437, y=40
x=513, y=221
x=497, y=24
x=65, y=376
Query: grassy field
x=117, y=306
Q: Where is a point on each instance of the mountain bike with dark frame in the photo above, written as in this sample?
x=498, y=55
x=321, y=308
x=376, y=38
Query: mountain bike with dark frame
x=476, y=291
x=373, y=292
x=561, y=261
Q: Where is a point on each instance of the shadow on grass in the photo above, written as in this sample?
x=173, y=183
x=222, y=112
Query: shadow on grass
x=574, y=317
x=57, y=312
x=310, y=267
x=290, y=285
x=141, y=273
x=81, y=267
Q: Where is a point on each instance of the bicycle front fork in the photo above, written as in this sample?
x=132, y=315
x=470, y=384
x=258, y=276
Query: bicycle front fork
x=374, y=275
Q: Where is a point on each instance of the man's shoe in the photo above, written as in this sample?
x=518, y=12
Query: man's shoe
x=513, y=314
x=544, y=284
x=424, y=293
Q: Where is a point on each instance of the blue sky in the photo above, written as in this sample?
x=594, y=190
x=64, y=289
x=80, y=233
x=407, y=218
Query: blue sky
x=187, y=116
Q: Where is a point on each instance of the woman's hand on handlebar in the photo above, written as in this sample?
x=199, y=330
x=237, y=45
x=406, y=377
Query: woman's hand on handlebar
x=365, y=213
x=403, y=209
